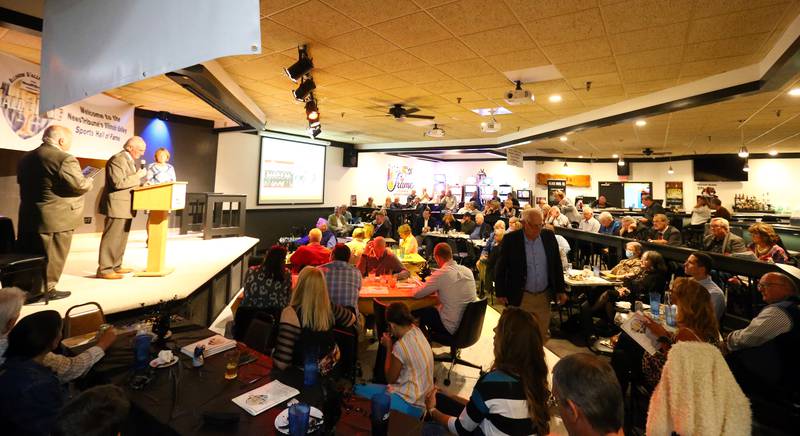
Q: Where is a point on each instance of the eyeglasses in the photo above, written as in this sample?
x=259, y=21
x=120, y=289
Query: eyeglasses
x=763, y=285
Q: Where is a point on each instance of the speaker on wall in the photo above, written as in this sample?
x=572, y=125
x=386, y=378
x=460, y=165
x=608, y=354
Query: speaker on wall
x=624, y=170
x=350, y=157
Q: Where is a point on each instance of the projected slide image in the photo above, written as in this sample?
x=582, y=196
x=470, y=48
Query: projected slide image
x=291, y=172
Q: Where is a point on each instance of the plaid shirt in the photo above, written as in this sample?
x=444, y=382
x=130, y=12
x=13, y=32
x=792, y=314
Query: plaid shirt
x=344, y=282
x=66, y=368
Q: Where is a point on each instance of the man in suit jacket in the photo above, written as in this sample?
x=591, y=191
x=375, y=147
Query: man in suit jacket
x=663, y=233
x=51, y=188
x=720, y=239
x=383, y=226
x=529, y=272
x=121, y=177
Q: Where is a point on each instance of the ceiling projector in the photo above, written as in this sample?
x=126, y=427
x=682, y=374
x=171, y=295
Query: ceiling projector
x=435, y=132
x=490, y=126
x=518, y=95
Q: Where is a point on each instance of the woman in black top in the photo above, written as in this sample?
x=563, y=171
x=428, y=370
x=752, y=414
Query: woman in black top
x=653, y=278
x=269, y=286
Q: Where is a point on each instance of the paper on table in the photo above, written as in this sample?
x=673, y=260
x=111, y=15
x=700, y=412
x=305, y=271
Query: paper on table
x=375, y=290
x=265, y=397
x=214, y=345
x=635, y=328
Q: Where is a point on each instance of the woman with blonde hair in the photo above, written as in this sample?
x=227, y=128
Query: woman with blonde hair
x=512, y=397
x=765, y=244
x=408, y=243
x=307, y=324
x=160, y=171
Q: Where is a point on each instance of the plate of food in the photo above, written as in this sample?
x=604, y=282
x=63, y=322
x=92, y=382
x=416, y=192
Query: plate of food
x=315, y=421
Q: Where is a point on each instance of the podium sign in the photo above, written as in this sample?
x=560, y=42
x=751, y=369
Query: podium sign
x=159, y=199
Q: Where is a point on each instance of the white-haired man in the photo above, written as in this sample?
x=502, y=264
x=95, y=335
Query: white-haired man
x=721, y=240
x=51, y=188
x=116, y=203
x=589, y=223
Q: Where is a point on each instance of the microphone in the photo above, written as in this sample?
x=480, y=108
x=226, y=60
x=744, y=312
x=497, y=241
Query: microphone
x=142, y=164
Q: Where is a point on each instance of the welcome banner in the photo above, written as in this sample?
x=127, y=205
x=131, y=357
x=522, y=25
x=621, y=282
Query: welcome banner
x=100, y=124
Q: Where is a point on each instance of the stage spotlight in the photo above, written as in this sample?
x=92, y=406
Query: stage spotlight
x=313, y=132
x=301, y=67
x=163, y=115
x=312, y=111
x=305, y=88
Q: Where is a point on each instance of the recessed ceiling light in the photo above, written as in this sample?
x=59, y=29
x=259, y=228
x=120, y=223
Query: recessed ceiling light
x=641, y=123
x=484, y=112
x=563, y=139
x=615, y=155
x=555, y=98
x=794, y=92
x=773, y=152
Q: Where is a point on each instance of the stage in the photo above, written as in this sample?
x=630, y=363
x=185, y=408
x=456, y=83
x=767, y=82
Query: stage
x=201, y=266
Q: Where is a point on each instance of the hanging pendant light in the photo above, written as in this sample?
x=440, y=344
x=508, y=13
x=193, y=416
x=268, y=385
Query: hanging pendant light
x=746, y=166
x=670, y=170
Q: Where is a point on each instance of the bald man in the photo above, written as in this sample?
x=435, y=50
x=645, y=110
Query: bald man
x=122, y=176
x=51, y=188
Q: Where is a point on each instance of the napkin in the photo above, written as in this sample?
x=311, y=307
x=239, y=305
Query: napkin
x=164, y=357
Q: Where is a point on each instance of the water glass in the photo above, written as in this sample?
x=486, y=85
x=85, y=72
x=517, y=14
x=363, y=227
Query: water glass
x=298, y=419
x=569, y=266
x=655, y=303
x=596, y=271
x=141, y=347
x=381, y=404
x=310, y=370
x=587, y=271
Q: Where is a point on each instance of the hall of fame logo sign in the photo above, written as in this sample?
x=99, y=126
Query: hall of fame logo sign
x=399, y=177
x=100, y=124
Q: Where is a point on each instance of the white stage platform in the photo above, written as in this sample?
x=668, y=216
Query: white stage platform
x=195, y=260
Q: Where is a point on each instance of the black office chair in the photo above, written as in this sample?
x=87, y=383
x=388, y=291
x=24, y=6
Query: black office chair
x=259, y=335
x=467, y=334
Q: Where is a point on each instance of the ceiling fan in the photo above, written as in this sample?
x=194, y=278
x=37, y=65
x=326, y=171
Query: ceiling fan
x=400, y=113
x=649, y=152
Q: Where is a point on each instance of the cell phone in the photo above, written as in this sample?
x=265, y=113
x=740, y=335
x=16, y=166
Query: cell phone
x=246, y=358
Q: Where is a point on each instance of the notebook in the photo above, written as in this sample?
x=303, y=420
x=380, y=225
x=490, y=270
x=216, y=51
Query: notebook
x=214, y=345
x=265, y=397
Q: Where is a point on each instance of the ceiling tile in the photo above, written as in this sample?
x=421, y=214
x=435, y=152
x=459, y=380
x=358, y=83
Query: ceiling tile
x=651, y=73
x=470, y=16
x=316, y=20
x=465, y=96
x=422, y=75
x=742, y=45
x=276, y=37
x=408, y=92
x=361, y=43
x=444, y=86
x=735, y=24
x=487, y=81
x=651, y=58
x=691, y=70
x=262, y=68
x=439, y=52
x=353, y=70
x=650, y=38
x=598, y=81
x=323, y=77
x=531, y=10
x=324, y=57
x=468, y=68
x=384, y=82
x=578, y=50
x=368, y=12
x=394, y=61
x=412, y=30
x=644, y=14
x=594, y=66
x=518, y=60
x=271, y=6
x=498, y=41
x=648, y=87
x=565, y=28
x=710, y=8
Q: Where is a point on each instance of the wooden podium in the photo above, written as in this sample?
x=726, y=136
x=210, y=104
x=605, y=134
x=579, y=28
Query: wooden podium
x=159, y=199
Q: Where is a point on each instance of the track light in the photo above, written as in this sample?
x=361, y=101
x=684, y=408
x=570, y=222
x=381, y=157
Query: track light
x=300, y=68
x=312, y=111
x=621, y=162
x=305, y=88
x=670, y=170
x=565, y=164
x=746, y=167
x=314, y=131
x=743, y=153
x=163, y=115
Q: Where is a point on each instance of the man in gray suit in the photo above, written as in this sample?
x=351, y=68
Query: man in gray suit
x=51, y=188
x=121, y=177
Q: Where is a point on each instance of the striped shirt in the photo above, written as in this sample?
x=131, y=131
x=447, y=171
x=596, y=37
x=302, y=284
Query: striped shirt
x=770, y=323
x=497, y=405
x=416, y=375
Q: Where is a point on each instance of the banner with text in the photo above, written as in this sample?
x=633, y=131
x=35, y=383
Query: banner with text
x=100, y=124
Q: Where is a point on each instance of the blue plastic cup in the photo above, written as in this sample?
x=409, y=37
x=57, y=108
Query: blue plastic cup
x=381, y=404
x=298, y=419
x=310, y=370
x=655, y=303
x=141, y=350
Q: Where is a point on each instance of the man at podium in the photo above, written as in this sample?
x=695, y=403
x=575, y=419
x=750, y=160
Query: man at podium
x=122, y=176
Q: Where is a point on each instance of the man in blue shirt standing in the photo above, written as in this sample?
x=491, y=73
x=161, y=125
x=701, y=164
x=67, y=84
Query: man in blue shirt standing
x=529, y=272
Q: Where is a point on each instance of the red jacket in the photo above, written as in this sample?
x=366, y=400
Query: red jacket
x=311, y=254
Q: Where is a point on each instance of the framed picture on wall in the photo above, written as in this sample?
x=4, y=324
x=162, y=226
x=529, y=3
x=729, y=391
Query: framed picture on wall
x=353, y=201
x=674, y=197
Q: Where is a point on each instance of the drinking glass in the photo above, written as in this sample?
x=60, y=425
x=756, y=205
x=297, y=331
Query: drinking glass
x=310, y=370
x=587, y=271
x=298, y=419
x=655, y=303
x=231, y=364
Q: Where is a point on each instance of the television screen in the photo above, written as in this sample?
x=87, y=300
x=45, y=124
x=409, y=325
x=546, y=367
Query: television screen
x=291, y=172
x=719, y=169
